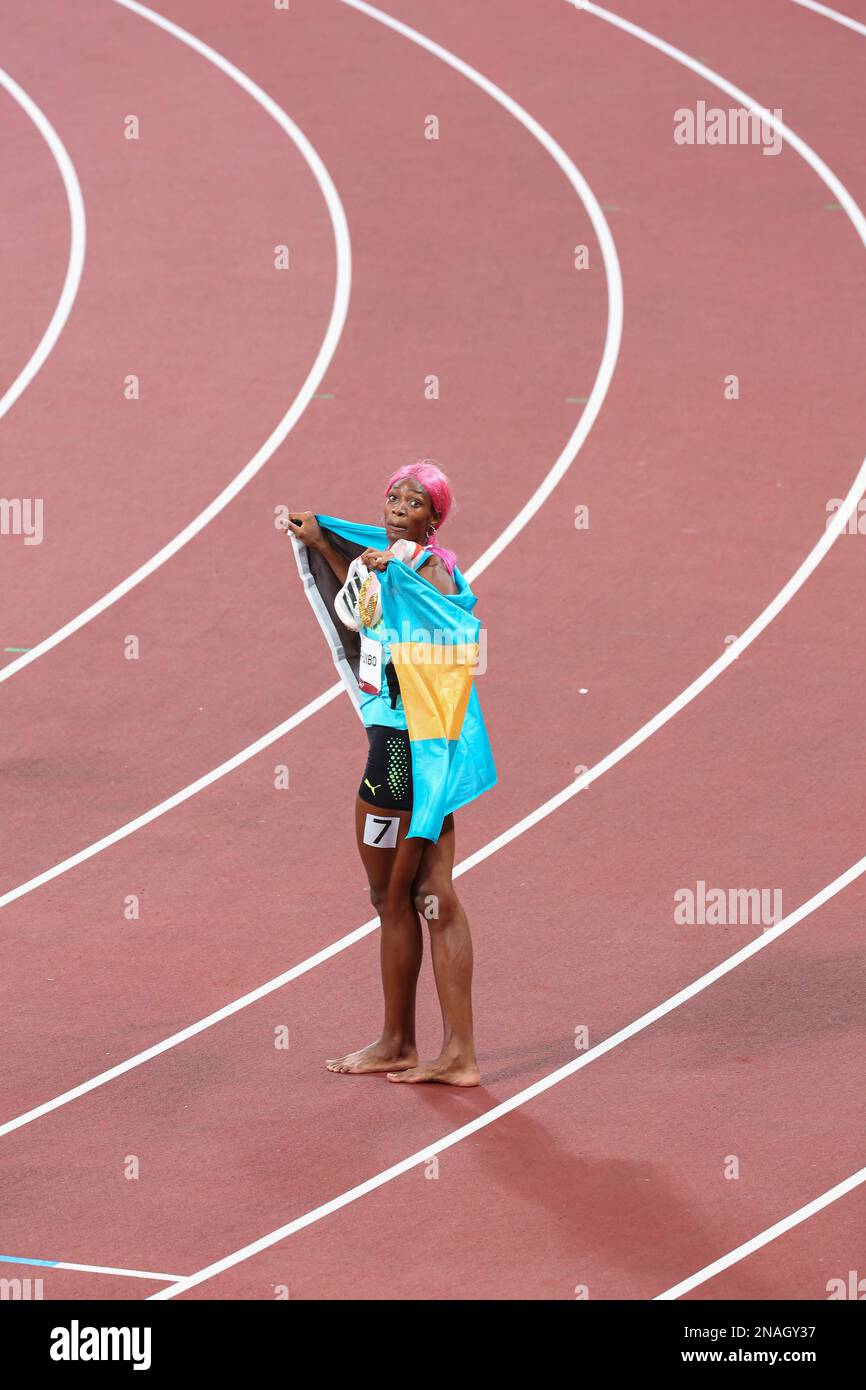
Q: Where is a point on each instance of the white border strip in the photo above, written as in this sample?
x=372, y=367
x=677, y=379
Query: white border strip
x=613, y=338
x=317, y=371
x=88, y=1269
x=772, y=1233
x=77, y=242
x=529, y=1093
x=833, y=14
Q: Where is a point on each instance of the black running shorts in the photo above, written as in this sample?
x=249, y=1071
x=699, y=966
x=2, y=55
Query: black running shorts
x=387, y=779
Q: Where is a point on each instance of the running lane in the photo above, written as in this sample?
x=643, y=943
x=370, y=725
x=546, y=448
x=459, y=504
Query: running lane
x=719, y=443
x=235, y=1136
x=762, y=48
x=821, y=1258
x=219, y=625
x=640, y=1170
x=209, y=877
x=225, y=825
x=716, y=1122
x=687, y=785
x=181, y=293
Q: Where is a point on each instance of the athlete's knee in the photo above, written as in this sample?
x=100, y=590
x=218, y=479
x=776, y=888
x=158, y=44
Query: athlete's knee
x=437, y=903
x=397, y=904
x=377, y=898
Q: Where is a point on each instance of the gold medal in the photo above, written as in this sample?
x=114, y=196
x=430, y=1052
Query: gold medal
x=367, y=601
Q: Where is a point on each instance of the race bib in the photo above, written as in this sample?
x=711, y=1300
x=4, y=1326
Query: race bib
x=370, y=666
x=381, y=831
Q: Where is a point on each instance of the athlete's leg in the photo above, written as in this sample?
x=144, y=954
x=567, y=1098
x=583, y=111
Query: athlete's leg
x=451, y=950
x=390, y=873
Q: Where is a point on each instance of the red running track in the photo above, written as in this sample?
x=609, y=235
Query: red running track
x=700, y=510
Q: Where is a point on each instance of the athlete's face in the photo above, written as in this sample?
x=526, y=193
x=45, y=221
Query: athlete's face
x=409, y=512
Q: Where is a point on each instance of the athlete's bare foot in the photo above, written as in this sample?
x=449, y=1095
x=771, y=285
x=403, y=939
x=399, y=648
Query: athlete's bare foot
x=379, y=1056
x=452, y=1071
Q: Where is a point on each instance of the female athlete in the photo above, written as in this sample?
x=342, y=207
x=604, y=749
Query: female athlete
x=412, y=879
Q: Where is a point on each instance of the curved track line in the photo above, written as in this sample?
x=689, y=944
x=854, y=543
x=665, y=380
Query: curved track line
x=317, y=371
x=838, y=17
x=604, y=375
x=837, y=524
x=521, y=1097
x=77, y=242
x=613, y=336
x=772, y=1233
x=809, y=564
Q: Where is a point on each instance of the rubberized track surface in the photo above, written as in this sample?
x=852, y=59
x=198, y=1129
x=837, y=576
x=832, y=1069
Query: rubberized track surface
x=700, y=510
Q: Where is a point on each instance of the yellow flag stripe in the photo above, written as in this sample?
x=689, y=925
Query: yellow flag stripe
x=435, y=683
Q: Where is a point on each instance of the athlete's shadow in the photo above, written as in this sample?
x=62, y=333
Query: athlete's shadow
x=527, y=1062
x=621, y=1227
x=627, y=1227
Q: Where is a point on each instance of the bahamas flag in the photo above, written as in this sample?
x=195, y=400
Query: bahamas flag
x=433, y=640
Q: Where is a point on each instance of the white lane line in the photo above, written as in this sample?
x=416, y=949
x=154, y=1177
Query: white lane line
x=837, y=524
x=77, y=242
x=514, y=1102
x=604, y=374
x=317, y=371
x=833, y=14
x=772, y=1233
x=611, y=265
x=812, y=560
x=89, y=1269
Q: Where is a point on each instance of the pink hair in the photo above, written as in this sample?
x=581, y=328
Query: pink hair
x=437, y=486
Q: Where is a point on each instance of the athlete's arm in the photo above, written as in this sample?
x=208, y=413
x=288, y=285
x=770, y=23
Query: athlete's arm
x=339, y=564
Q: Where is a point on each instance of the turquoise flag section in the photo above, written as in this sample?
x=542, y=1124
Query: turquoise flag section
x=446, y=773
x=365, y=537
x=408, y=598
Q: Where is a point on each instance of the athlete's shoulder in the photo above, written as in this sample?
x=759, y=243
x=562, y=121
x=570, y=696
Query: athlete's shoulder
x=436, y=572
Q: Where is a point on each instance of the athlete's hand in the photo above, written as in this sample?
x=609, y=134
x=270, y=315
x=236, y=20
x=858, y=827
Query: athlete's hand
x=376, y=559
x=305, y=526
